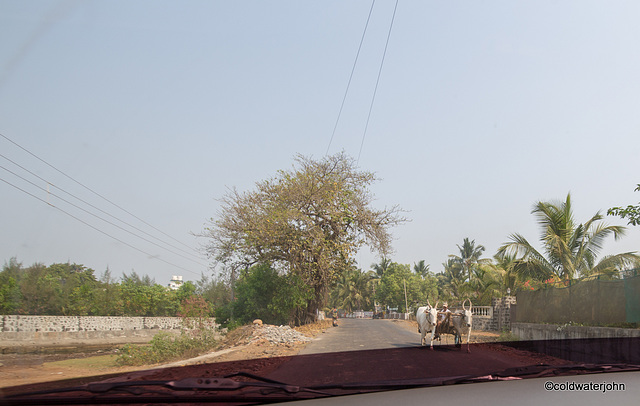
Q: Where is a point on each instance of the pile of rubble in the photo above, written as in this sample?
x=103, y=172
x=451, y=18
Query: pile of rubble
x=277, y=335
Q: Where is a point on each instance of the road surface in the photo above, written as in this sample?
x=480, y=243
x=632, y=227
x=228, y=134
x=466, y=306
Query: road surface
x=365, y=350
x=362, y=334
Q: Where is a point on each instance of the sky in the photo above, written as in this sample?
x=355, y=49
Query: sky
x=149, y=111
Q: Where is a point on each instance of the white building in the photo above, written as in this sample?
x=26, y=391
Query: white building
x=176, y=282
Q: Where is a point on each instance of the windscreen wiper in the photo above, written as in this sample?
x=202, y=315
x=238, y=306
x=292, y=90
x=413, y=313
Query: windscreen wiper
x=263, y=390
x=210, y=390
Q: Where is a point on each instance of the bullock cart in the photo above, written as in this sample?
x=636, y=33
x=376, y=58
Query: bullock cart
x=459, y=324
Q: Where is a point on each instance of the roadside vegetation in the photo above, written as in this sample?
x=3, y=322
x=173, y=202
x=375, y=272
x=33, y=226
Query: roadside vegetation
x=285, y=250
x=197, y=337
x=165, y=347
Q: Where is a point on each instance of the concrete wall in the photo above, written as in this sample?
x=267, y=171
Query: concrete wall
x=532, y=331
x=60, y=331
x=579, y=343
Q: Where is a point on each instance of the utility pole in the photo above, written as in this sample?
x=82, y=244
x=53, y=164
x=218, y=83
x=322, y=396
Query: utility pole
x=406, y=306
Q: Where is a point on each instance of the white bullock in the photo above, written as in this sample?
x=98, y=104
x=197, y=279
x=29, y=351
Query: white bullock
x=462, y=321
x=426, y=317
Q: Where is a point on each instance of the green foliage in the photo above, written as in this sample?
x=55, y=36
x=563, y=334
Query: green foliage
x=73, y=290
x=421, y=269
x=290, y=300
x=353, y=290
x=9, y=295
x=391, y=289
x=262, y=293
x=215, y=291
x=631, y=213
x=308, y=222
x=382, y=267
x=507, y=335
x=195, y=311
x=569, y=249
x=165, y=347
x=451, y=281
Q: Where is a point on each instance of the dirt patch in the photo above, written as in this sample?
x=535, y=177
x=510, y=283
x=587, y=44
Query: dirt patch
x=243, y=343
x=249, y=344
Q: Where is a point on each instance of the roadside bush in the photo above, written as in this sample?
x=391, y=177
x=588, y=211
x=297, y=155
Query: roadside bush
x=165, y=347
x=507, y=335
x=262, y=293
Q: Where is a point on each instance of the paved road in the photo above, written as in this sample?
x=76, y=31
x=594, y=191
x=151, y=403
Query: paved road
x=362, y=334
x=362, y=350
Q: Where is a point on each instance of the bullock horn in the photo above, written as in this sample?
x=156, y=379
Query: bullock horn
x=437, y=301
x=428, y=304
x=465, y=301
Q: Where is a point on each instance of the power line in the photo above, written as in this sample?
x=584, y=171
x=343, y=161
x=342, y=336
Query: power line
x=375, y=90
x=98, y=230
x=98, y=217
x=353, y=68
x=96, y=208
x=91, y=190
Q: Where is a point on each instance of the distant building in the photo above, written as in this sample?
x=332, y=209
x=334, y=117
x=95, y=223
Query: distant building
x=176, y=282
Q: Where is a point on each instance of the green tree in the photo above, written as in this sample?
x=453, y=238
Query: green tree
x=262, y=293
x=10, y=295
x=76, y=290
x=451, y=281
x=421, y=269
x=382, y=267
x=108, y=295
x=485, y=284
x=214, y=290
x=353, y=291
x=195, y=312
x=309, y=221
x=469, y=258
x=391, y=289
x=41, y=291
x=186, y=291
x=631, y=213
x=142, y=297
x=570, y=249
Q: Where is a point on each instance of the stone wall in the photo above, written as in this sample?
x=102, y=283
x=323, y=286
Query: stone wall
x=35, y=324
x=42, y=331
x=534, y=331
x=496, y=317
x=502, y=312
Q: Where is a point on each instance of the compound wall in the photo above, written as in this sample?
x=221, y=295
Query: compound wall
x=55, y=331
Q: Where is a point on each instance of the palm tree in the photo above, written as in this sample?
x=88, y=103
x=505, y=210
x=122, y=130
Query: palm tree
x=352, y=290
x=469, y=257
x=375, y=275
x=382, y=267
x=452, y=279
x=485, y=284
x=505, y=265
x=421, y=268
x=569, y=249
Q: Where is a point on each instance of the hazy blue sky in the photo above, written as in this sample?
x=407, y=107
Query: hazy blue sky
x=482, y=109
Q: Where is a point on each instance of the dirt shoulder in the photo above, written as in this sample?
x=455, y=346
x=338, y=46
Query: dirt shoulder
x=247, y=342
x=243, y=343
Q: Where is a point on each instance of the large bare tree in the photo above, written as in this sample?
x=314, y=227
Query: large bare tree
x=310, y=220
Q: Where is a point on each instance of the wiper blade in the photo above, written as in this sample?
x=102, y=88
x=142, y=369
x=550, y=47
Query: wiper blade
x=218, y=389
x=264, y=390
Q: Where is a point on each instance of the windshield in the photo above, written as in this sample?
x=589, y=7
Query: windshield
x=209, y=188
